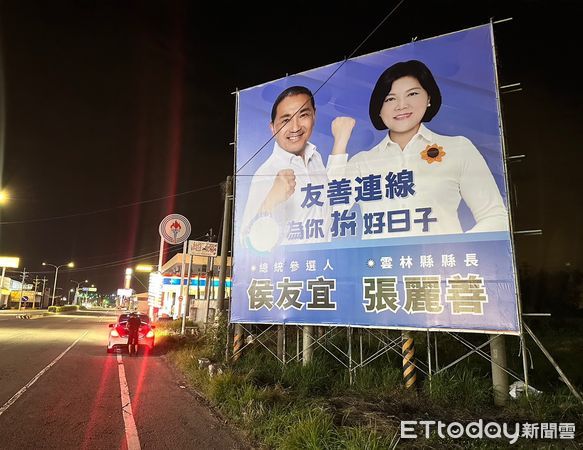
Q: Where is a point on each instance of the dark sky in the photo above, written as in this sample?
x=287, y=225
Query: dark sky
x=114, y=103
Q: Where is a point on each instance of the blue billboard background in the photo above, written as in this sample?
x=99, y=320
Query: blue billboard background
x=371, y=280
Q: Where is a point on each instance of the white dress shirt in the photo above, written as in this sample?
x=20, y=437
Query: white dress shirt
x=307, y=169
x=461, y=174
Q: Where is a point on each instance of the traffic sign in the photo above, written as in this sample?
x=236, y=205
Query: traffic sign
x=24, y=298
x=175, y=229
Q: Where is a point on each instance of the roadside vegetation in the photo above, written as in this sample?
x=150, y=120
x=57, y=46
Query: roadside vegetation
x=65, y=308
x=317, y=407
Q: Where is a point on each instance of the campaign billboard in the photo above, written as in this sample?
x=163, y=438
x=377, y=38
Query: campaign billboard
x=372, y=193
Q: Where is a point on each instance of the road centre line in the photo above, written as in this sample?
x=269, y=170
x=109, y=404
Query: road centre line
x=131, y=431
x=16, y=396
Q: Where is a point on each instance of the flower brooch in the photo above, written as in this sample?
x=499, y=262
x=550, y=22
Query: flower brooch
x=433, y=153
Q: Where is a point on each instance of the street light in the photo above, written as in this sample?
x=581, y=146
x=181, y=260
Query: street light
x=69, y=264
x=3, y=197
x=77, y=289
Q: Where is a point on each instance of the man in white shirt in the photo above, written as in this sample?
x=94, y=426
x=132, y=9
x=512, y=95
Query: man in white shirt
x=287, y=198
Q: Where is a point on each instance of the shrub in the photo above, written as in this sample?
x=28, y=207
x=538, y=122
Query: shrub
x=65, y=308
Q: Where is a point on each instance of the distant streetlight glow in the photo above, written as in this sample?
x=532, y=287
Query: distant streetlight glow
x=69, y=264
x=3, y=197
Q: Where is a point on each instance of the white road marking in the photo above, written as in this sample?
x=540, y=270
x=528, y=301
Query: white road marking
x=16, y=396
x=132, y=438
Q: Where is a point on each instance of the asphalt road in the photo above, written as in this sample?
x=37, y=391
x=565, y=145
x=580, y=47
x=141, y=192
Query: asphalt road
x=59, y=389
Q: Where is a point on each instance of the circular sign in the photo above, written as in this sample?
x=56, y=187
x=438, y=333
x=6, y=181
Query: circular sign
x=24, y=298
x=175, y=229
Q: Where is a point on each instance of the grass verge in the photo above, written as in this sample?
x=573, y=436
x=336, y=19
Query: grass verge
x=316, y=407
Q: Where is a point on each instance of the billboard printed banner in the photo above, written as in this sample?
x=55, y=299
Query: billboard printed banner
x=384, y=204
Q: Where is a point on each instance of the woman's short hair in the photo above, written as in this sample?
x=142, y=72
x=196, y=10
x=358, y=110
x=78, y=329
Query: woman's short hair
x=412, y=68
x=289, y=92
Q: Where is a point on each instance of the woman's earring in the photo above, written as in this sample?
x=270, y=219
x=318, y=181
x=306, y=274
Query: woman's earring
x=428, y=104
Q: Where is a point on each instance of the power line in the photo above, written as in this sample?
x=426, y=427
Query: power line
x=172, y=251
x=323, y=83
x=100, y=211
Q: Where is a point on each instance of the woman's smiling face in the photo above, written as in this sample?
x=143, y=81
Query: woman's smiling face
x=405, y=105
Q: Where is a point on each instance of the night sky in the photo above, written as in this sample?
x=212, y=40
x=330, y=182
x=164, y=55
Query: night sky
x=117, y=113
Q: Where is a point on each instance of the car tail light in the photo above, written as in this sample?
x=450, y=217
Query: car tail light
x=150, y=334
x=114, y=333
x=121, y=331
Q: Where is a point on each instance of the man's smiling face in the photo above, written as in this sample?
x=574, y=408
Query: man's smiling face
x=294, y=123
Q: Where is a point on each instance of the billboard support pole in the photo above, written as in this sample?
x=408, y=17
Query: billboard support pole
x=308, y=339
x=435, y=351
x=524, y=351
x=237, y=341
x=297, y=342
x=499, y=374
x=523, y=348
x=408, y=351
x=360, y=341
x=555, y=365
x=429, y=358
x=284, y=344
x=350, y=354
x=227, y=343
x=280, y=341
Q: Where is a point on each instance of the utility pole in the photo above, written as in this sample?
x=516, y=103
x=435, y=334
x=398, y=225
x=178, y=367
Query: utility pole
x=21, y=288
x=225, y=243
x=42, y=301
x=36, y=282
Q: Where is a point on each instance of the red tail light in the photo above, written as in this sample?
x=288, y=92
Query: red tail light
x=150, y=334
x=121, y=330
x=114, y=333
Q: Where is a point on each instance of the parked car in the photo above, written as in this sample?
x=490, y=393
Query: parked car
x=118, y=333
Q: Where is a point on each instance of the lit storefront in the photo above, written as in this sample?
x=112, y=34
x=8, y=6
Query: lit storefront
x=164, y=292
